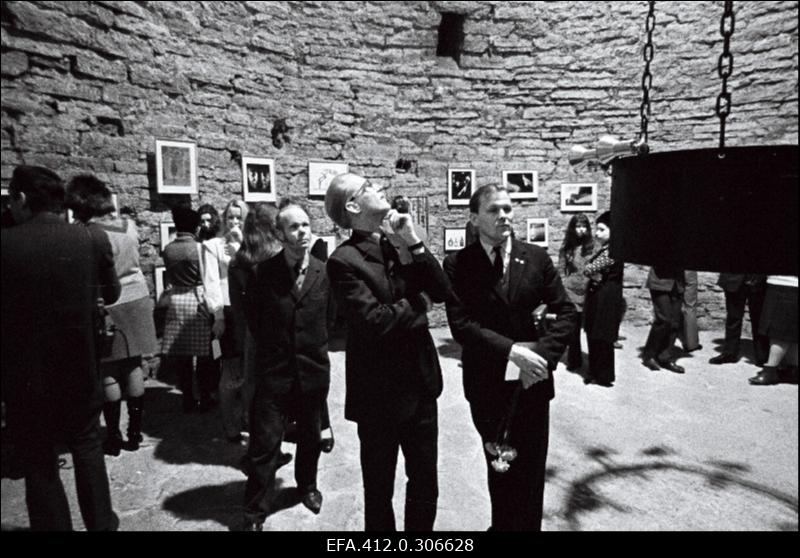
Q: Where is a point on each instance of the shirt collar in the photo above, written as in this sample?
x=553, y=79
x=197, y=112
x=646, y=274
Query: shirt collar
x=489, y=249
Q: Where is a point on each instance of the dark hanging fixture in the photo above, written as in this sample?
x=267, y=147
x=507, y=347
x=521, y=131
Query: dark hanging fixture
x=731, y=209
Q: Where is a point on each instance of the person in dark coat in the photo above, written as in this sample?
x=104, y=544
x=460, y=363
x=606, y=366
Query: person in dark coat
x=287, y=307
x=53, y=275
x=603, y=306
x=666, y=289
x=497, y=284
x=383, y=290
x=742, y=290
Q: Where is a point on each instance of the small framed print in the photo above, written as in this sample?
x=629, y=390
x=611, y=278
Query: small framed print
x=258, y=179
x=320, y=174
x=330, y=242
x=176, y=167
x=460, y=185
x=454, y=239
x=159, y=279
x=5, y=198
x=538, y=232
x=579, y=197
x=521, y=184
x=167, y=232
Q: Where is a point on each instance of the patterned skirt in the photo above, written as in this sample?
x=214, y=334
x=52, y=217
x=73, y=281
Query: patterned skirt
x=187, y=331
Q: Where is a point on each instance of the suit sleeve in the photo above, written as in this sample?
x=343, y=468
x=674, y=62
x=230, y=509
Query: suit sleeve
x=434, y=281
x=108, y=282
x=360, y=307
x=552, y=345
x=466, y=329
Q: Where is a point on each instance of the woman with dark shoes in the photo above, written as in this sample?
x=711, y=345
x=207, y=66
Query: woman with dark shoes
x=575, y=251
x=132, y=314
x=603, y=306
x=779, y=324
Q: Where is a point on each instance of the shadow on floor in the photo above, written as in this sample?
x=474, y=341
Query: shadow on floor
x=585, y=495
x=223, y=503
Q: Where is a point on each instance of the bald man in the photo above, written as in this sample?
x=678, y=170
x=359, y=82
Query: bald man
x=384, y=285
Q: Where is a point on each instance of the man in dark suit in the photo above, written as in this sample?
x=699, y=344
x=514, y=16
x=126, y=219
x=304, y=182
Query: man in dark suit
x=666, y=290
x=497, y=284
x=287, y=311
x=741, y=290
x=383, y=290
x=53, y=274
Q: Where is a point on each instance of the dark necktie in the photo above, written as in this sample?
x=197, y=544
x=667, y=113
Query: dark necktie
x=498, y=261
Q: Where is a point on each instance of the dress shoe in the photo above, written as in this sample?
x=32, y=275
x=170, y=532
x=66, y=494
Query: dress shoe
x=617, y=345
x=284, y=459
x=327, y=442
x=587, y=380
x=252, y=526
x=724, y=358
x=767, y=377
x=605, y=384
x=113, y=445
x=671, y=366
x=313, y=500
x=693, y=349
x=651, y=364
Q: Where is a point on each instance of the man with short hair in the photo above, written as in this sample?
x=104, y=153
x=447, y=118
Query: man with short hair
x=498, y=282
x=383, y=289
x=287, y=309
x=53, y=275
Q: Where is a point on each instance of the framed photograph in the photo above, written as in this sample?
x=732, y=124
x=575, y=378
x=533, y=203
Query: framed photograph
x=5, y=198
x=320, y=174
x=579, y=197
x=176, y=167
x=158, y=279
x=538, y=232
x=522, y=184
x=330, y=241
x=258, y=179
x=460, y=185
x=418, y=207
x=454, y=239
x=168, y=233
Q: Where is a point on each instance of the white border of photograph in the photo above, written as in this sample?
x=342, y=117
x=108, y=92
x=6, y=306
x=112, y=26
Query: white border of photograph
x=269, y=195
x=115, y=201
x=163, y=231
x=570, y=189
x=538, y=221
x=329, y=240
x=190, y=188
x=320, y=174
x=461, y=200
x=455, y=238
x=158, y=279
x=523, y=195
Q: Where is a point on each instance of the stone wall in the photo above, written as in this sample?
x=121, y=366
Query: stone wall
x=89, y=86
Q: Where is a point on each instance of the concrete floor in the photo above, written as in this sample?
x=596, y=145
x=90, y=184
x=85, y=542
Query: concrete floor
x=659, y=451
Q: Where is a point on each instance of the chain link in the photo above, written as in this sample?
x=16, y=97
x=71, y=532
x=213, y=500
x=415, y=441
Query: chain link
x=725, y=69
x=647, y=77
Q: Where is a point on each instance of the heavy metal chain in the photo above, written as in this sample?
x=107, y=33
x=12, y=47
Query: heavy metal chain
x=725, y=69
x=647, y=77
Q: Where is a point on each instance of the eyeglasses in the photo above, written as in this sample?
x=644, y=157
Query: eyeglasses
x=367, y=184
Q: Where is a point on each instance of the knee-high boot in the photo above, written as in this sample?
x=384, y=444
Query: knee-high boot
x=113, y=442
x=135, y=410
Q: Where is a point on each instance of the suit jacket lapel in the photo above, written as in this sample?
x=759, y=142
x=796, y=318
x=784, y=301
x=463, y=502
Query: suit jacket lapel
x=312, y=275
x=519, y=257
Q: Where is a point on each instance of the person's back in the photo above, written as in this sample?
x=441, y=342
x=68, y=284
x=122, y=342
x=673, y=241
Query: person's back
x=53, y=274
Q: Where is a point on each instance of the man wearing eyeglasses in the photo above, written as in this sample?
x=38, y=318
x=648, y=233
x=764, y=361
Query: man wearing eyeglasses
x=383, y=287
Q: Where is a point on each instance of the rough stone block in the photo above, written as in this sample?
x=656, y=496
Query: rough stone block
x=14, y=63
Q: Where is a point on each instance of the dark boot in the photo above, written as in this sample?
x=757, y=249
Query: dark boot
x=185, y=385
x=135, y=409
x=113, y=442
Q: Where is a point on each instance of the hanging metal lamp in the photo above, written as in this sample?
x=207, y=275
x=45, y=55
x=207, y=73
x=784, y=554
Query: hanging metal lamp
x=731, y=209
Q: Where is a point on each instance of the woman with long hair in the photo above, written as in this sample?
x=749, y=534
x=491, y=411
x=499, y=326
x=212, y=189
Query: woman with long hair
x=258, y=244
x=132, y=314
x=575, y=251
x=223, y=248
x=603, y=305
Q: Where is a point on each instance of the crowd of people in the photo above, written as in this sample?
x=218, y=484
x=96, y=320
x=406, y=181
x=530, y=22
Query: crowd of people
x=250, y=299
